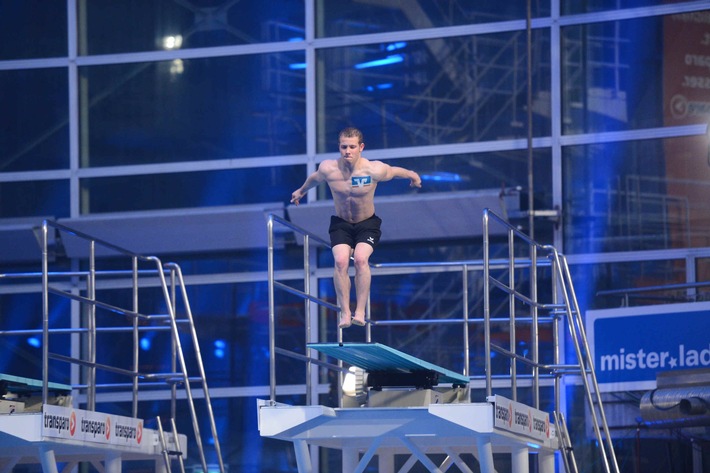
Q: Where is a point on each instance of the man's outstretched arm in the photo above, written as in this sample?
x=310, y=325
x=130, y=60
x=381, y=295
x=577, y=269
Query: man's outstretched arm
x=394, y=172
x=313, y=180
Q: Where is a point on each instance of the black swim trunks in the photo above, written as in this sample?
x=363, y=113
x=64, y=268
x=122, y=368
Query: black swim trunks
x=344, y=232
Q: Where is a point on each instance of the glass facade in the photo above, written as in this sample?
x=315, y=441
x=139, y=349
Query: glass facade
x=134, y=107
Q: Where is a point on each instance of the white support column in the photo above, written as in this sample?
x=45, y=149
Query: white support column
x=485, y=454
x=159, y=466
x=385, y=461
x=303, y=458
x=351, y=458
x=48, y=460
x=112, y=462
x=546, y=462
x=519, y=459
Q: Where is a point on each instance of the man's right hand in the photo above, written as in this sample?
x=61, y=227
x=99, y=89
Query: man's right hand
x=296, y=197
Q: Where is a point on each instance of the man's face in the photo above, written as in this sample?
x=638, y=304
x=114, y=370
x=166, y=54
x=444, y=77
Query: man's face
x=350, y=149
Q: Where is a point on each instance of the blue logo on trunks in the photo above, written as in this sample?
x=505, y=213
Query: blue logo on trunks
x=361, y=181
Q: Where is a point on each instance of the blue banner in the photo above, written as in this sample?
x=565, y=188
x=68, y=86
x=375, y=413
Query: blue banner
x=631, y=345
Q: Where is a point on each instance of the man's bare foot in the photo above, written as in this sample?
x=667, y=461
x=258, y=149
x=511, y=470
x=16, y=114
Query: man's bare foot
x=345, y=320
x=359, y=319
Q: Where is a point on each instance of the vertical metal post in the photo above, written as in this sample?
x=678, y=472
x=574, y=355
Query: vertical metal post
x=91, y=342
x=173, y=346
x=466, y=349
x=557, y=335
x=45, y=316
x=136, y=338
x=272, y=332
x=307, y=307
x=487, y=305
x=531, y=167
x=534, y=327
x=511, y=309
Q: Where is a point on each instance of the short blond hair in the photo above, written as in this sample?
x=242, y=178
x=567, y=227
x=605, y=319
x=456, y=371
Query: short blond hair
x=351, y=132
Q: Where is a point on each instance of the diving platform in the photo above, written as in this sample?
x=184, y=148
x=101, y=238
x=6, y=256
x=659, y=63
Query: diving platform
x=448, y=425
x=480, y=429
x=66, y=435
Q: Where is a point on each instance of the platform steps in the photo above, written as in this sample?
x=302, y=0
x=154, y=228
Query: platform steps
x=171, y=286
x=168, y=453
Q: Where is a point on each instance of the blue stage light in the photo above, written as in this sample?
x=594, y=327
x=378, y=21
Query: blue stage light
x=393, y=59
x=145, y=344
x=441, y=177
x=34, y=342
x=397, y=45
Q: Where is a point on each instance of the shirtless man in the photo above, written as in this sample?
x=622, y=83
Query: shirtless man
x=354, y=229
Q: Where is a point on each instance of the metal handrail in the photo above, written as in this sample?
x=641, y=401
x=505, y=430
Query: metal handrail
x=305, y=294
x=564, y=304
x=169, y=293
x=464, y=267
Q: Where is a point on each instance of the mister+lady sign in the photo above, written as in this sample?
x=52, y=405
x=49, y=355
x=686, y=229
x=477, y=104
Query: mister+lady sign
x=631, y=345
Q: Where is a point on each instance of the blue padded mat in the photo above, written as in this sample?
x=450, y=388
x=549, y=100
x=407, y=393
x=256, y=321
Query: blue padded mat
x=377, y=357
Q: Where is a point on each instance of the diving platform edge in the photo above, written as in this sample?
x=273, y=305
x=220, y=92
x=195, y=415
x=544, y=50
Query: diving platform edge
x=452, y=429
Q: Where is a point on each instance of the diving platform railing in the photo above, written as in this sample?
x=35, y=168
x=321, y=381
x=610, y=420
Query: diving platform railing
x=81, y=286
x=500, y=275
x=525, y=253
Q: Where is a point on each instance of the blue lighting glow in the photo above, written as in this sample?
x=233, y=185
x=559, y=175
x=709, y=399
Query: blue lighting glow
x=219, y=348
x=145, y=344
x=532, y=445
x=442, y=177
x=297, y=66
x=393, y=59
x=396, y=46
x=372, y=88
x=34, y=342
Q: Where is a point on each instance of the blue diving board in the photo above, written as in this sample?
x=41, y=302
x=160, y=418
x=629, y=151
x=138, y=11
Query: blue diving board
x=375, y=357
x=20, y=385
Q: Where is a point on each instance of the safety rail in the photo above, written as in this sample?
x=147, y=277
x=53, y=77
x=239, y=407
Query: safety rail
x=464, y=268
x=563, y=304
x=66, y=284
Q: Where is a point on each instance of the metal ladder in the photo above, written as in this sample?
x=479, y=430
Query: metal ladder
x=167, y=453
x=172, y=289
x=563, y=307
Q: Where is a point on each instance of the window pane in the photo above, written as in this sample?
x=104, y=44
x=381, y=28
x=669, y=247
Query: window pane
x=32, y=29
x=613, y=75
x=642, y=195
x=117, y=26
x=451, y=90
x=34, y=131
x=34, y=199
x=199, y=189
x=351, y=17
x=571, y=7
x=196, y=109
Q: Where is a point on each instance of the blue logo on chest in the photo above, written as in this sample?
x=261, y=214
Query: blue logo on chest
x=361, y=181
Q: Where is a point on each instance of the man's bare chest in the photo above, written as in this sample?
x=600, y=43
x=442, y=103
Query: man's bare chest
x=358, y=184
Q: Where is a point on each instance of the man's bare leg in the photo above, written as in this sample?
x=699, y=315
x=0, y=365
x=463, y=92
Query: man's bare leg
x=362, y=280
x=341, y=281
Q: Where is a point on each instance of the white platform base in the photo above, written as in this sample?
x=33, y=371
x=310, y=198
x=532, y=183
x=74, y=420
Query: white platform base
x=362, y=433
x=21, y=442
